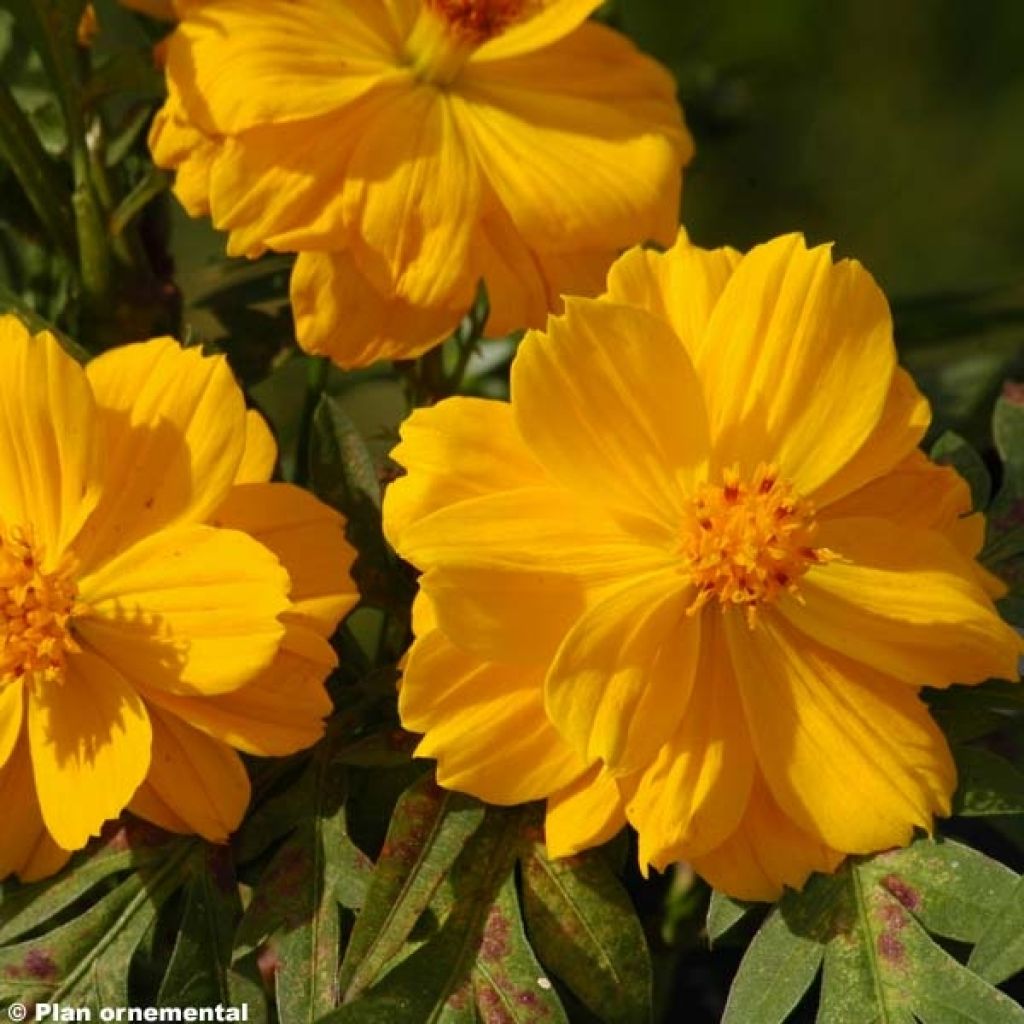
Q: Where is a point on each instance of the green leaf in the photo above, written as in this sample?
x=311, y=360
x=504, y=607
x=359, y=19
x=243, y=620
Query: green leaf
x=200, y=965
x=295, y=914
x=999, y=953
x=84, y=961
x=988, y=785
x=783, y=958
x=429, y=829
x=872, y=921
x=724, y=913
x=586, y=931
x=422, y=988
x=953, y=450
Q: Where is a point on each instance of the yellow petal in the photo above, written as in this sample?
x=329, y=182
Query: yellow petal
x=174, y=429
x=308, y=537
x=586, y=813
x=191, y=610
x=201, y=781
x=554, y=20
x=339, y=313
x=622, y=679
x=509, y=573
x=146, y=804
x=767, y=852
x=26, y=848
x=178, y=145
x=905, y=418
x=11, y=718
x=50, y=472
x=280, y=185
x=692, y=797
x=281, y=711
x=586, y=406
x=90, y=739
x=484, y=723
x=591, y=101
x=796, y=362
x=260, y=454
x=296, y=60
x=850, y=755
x=911, y=601
x=460, y=448
x=411, y=197
x=681, y=286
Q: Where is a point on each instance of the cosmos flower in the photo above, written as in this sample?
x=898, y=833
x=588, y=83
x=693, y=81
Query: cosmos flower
x=407, y=149
x=161, y=604
x=702, y=536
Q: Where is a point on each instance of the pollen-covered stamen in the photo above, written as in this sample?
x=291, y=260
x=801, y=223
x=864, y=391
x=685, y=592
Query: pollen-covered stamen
x=36, y=609
x=448, y=31
x=747, y=543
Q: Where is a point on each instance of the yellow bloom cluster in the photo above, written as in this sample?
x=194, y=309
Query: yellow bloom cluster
x=694, y=575
x=161, y=604
x=408, y=149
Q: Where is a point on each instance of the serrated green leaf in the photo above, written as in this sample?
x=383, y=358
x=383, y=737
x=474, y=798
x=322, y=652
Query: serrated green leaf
x=783, y=959
x=586, y=931
x=953, y=450
x=999, y=953
x=724, y=913
x=429, y=829
x=988, y=784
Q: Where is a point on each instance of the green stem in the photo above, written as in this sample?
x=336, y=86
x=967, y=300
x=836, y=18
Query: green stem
x=21, y=150
x=315, y=387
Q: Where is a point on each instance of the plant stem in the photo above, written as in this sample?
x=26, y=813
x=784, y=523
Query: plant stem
x=316, y=383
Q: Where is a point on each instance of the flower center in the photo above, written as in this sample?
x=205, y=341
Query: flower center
x=36, y=609
x=748, y=543
x=448, y=31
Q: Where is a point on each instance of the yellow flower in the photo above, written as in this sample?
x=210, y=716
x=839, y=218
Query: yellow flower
x=160, y=602
x=701, y=535
x=407, y=149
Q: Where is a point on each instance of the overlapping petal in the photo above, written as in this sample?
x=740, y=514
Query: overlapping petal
x=587, y=812
x=50, y=475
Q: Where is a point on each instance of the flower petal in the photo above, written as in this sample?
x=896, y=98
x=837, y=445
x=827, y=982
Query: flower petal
x=692, y=797
x=280, y=186
x=460, y=448
x=608, y=401
x=50, y=473
x=260, y=454
x=554, y=20
x=592, y=100
x=191, y=610
x=765, y=853
x=484, y=723
x=90, y=738
x=308, y=537
x=911, y=600
x=296, y=60
x=905, y=418
x=12, y=718
x=281, y=711
x=201, y=781
x=586, y=813
x=178, y=145
x=509, y=573
x=26, y=848
x=411, y=197
x=681, y=286
x=339, y=313
x=174, y=428
x=850, y=755
x=622, y=679
x=791, y=332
